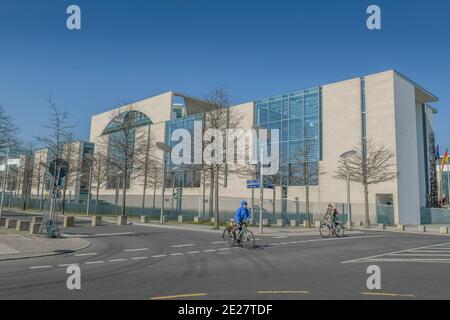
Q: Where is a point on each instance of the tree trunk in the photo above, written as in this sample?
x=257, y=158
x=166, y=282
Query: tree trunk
x=96, y=197
x=63, y=209
x=143, y=197
x=154, y=197
x=308, y=218
x=124, y=193
x=203, y=194
x=366, y=207
x=211, y=194
x=216, y=207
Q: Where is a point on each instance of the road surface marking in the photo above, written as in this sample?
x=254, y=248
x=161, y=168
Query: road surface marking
x=223, y=249
x=139, y=258
x=280, y=237
x=135, y=250
x=393, y=253
x=94, y=262
x=384, y=294
x=183, y=245
x=97, y=235
x=118, y=260
x=68, y=265
x=217, y=242
x=86, y=254
x=177, y=254
x=406, y=260
x=190, y=295
x=160, y=256
x=283, y=292
x=40, y=267
x=420, y=255
x=193, y=252
x=210, y=250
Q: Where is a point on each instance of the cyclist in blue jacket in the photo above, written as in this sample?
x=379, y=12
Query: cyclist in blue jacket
x=241, y=216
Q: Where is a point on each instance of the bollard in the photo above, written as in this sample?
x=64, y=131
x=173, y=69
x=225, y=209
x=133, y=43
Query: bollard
x=294, y=223
x=213, y=220
x=69, y=221
x=267, y=222
x=422, y=228
x=316, y=224
x=34, y=228
x=280, y=223
x=444, y=230
x=11, y=223
x=122, y=220
x=180, y=219
x=401, y=227
x=200, y=219
x=96, y=221
x=382, y=226
x=22, y=226
x=145, y=219
x=37, y=220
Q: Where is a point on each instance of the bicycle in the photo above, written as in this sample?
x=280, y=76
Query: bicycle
x=328, y=228
x=244, y=238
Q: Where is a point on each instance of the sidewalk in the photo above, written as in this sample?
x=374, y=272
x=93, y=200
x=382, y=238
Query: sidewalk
x=21, y=246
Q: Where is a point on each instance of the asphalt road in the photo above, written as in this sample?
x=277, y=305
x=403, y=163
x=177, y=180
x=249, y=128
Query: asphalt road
x=138, y=262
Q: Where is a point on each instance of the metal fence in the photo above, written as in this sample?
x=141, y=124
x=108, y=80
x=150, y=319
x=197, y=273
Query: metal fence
x=191, y=206
x=435, y=216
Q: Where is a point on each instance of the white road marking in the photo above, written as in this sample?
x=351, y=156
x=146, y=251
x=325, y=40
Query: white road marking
x=95, y=262
x=217, y=242
x=183, y=245
x=97, y=235
x=394, y=253
x=40, y=267
x=211, y=250
x=160, y=256
x=139, y=258
x=118, y=260
x=281, y=237
x=177, y=254
x=193, y=252
x=68, y=265
x=135, y=250
x=223, y=249
x=86, y=254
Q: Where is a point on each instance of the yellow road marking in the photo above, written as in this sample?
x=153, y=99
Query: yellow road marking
x=282, y=292
x=384, y=294
x=180, y=296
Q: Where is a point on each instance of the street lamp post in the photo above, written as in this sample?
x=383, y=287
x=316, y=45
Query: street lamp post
x=165, y=148
x=344, y=156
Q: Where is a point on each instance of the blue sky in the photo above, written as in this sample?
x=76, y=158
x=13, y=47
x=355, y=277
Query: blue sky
x=129, y=50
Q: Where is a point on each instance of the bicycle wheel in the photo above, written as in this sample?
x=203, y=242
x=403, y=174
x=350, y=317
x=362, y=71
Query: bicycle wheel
x=228, y=238
x=339, y=230
x=248, y=240
x=325, y=230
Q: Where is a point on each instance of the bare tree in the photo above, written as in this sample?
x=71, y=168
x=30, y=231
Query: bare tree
x=8, y=131
x=372, y=164
x=27, y=165
x=98, y=165
x=147, y=164
x=217, y=116
x=60, y=133
x=72, y=162
x=123, y=147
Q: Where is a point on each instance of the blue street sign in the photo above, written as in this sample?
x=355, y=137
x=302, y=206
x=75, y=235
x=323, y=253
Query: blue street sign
x=252, y=184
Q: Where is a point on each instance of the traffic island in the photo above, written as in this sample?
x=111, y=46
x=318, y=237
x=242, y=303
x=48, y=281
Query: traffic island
x=22, y=246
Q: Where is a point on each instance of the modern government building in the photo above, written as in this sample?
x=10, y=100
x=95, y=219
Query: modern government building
x=386, y=108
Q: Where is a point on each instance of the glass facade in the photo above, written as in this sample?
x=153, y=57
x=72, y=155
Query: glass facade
x=298, y=117
x=125, y=122
x=187, y=176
